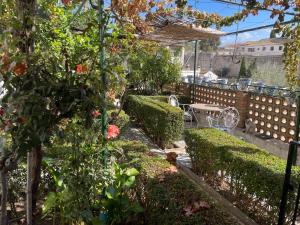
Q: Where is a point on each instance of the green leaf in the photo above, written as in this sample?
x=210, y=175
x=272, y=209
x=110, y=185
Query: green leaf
x=110, y=192
x=60, y=182
x=132, y=172
x=96, y=221
x=137, y=208
x=50, y=202
x=130, y=181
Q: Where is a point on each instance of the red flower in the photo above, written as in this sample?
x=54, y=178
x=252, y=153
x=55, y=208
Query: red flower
x=21, y=120
x=96, y=113
x=20, y=68
x=112, y=131
x=78, y=68
x=5, y=61
x=7, y=123
x=1, y=111
x=66, y=2
x=81, y=69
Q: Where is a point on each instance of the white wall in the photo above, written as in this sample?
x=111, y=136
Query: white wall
x=260, y=51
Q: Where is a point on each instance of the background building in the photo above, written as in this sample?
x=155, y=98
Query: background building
x=264, y=47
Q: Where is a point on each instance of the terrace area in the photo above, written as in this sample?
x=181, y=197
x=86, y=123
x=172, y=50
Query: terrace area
x=98, y=126
x=207, y=155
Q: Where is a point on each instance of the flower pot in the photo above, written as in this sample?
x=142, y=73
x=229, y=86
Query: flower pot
x=244, y=83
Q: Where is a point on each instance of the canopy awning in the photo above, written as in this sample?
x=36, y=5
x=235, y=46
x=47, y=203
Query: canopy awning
x=179, y=33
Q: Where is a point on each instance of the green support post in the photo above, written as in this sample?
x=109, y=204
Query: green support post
x=195, y=69
x=291, y=160
x=103, y=215
x=102, y=73
x=296, y=137
x=297, y=122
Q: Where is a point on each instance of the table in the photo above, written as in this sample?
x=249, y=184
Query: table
x=203, y=108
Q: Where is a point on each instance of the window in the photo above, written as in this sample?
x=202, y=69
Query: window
x=257, y=49
x=243, y=49
x=251, y=49
x=264, y=49
x=280, y=48
x=272, y=48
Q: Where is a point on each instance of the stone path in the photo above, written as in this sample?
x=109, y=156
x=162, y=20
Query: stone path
x=134, y=133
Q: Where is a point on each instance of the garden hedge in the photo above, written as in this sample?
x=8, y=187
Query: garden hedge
x=164, y=98
x=165, y=193
x=161, y=121
x=249, y=176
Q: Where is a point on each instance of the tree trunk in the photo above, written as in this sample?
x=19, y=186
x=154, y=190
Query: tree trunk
x=26, y=12
x=3, y=175
x=28, y=189
x=4, y=184
x=34, y=161
x=36, y=176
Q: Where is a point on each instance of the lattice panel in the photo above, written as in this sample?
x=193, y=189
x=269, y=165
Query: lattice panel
x=170, y=87
x=184, y=89
x=273, y=116
x=215, y=96
x=224, y=97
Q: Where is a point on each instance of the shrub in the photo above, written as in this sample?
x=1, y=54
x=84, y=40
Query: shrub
x=122, y=120
x=164, y=98
x=166, y=194
x=250, y=176
x=163, y=122
x=130, y=147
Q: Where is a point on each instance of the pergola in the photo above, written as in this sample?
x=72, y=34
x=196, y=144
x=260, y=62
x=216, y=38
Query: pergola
x=175, y=31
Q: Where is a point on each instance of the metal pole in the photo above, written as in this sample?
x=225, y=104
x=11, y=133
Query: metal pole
x=292, y=158
x=102, y=70
x=195, y=68
x=297, y=122
x=103, y=215
x=296, y=137
x=286, y=184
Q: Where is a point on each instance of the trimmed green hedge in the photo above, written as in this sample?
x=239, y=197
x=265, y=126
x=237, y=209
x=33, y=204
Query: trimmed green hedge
x=164, y=192
x=250, y=176
x=162, y=122
x=164, y=98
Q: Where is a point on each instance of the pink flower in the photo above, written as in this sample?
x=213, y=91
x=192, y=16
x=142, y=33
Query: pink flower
x=112, y=131
x=1, y=112
x=81, y=69
x=96, y=113
x=66, y=2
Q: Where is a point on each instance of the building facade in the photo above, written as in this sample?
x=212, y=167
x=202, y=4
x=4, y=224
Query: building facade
x=264, y=47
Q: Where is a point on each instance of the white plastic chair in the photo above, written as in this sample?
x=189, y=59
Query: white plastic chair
x=188, y=116
x=227, y=120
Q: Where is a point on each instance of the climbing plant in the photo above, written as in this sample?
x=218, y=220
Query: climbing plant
x=50, y=69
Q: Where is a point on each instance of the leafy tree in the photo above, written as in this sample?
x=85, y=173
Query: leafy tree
x=252, y=68
x=161, y=70
x=208, y=45
x=225, y=71
x=243, y=69
x=270, y=74
x=273, y=34
x=49, y=64
x=152, y=69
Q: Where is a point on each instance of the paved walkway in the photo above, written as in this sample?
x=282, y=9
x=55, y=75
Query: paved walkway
x=137, y=134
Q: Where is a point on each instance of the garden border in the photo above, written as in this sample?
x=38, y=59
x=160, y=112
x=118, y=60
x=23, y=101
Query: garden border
x=233, y=210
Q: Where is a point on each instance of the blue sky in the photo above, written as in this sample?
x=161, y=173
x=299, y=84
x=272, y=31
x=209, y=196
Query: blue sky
x=263, y=18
